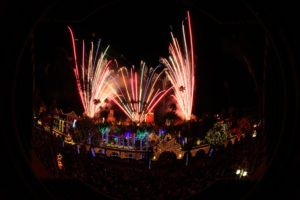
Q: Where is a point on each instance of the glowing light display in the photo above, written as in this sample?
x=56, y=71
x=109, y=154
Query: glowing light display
x=181, y=70
x=92, y=78
x=59, y=161
x=74, y=123
x=138, y=96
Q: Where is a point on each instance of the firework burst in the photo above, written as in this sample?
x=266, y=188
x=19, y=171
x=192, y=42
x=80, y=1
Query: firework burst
x=181, y=70
x=137, y=96
x=92, y=78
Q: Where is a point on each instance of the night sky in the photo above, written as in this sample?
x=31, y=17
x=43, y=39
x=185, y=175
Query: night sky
x=222, y=36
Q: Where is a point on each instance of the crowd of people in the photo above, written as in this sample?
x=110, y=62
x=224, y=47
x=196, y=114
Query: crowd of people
x=165, y=179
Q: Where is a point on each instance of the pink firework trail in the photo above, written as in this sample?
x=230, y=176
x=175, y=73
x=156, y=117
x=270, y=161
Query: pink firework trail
x=93, y=79
x=181, y=70
x=141, y=96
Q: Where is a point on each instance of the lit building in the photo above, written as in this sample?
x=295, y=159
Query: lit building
x=63, y=122
x=110, y=117
x=149, y=117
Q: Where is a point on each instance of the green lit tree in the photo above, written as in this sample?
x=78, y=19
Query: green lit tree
x=217, y=135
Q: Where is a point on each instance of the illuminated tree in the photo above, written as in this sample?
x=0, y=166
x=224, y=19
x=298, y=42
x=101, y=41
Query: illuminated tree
x=217, y=135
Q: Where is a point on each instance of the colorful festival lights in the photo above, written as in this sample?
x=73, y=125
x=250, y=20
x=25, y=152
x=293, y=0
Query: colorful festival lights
x=137, y=96
x=92, y=78
x=181, y=70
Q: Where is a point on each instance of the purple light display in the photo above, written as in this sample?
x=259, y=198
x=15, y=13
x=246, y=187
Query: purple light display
x=187, y=160
x=127, y=134
x=141, y=144
x=93, y=152
x=106, y=137
x=133, y=142
x=90, y=140
x=147, y=142
x=128, y=143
